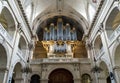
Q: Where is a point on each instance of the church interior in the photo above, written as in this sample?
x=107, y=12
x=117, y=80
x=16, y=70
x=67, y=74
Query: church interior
x=59, y=41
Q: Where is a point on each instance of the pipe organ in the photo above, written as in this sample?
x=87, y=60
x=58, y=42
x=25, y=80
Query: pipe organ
x=60, y=40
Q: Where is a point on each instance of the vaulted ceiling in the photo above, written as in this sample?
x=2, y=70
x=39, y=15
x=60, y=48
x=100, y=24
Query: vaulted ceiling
x=78, y=13
x=82, y=11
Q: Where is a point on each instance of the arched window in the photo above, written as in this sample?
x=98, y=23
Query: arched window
x=17, y=74
x=7, y=21
x=98, y=45
x=86, y=78
x=22, y=45
x=112, y=22
x=3, y=62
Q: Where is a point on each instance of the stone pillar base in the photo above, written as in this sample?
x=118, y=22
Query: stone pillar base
x=19, y=80
x=77, y=81
x=44, y=81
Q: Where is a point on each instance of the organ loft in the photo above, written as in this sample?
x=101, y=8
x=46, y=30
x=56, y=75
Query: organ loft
x=59, y=41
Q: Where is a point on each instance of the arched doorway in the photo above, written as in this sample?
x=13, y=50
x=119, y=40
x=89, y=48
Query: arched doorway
x=17, y=74
x=60, y=76
x=98, y=45
x=35, y=79
x=86, y=78
x=117, y=62
x=23, y=46
x=104, y=76
x=3, y=63
x=7, y=21
x=112, y=22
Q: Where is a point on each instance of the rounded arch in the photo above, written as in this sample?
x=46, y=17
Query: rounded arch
x=8, y=22
x=22, y=45
x=35, y=78
x=71, y=13
x=98, y=45
x=104, y=74
x=116, y=60
x=114, y=51
x=112, y=21
x=3, y=62
x=86, y=78
x=17, y=74
x=58, y=67
x=65, y=20
x=39, y=20
x=3, y=56
x=117, y=56
x=7, y=51
x=60, y=76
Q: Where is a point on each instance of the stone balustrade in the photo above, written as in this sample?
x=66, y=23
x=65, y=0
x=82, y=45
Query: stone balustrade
x=60, y=60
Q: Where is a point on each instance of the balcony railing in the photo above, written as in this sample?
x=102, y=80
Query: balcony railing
x=5, y=34
x=60, y=60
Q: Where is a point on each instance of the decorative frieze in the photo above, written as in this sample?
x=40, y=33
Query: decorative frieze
x=44, y=67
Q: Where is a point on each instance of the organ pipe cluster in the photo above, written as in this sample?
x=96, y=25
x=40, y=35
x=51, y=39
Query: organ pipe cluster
x=59, y=35
x=59, y=32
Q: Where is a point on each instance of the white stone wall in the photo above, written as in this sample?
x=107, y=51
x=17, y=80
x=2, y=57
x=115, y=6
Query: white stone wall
x=14, y=55
x=107, y=55
x=76, y=69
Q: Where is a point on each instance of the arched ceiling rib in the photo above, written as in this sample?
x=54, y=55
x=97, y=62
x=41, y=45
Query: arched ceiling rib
x=75, y=9
x=71, y=14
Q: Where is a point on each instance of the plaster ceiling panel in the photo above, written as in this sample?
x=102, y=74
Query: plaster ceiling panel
x=41, y=5
x=79, y=5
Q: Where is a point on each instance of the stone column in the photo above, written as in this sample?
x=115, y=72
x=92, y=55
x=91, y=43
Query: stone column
x=77, y=80
x=44, y=81
x=117, y=74
x=19, y=77
x=19, y=80
x=102, y=80
x=5, y=76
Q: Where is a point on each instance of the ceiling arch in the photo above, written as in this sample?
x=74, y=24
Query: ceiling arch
x=51, y=12
x=80, y=10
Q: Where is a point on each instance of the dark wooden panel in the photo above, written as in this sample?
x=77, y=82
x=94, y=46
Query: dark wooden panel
x=60, y=76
